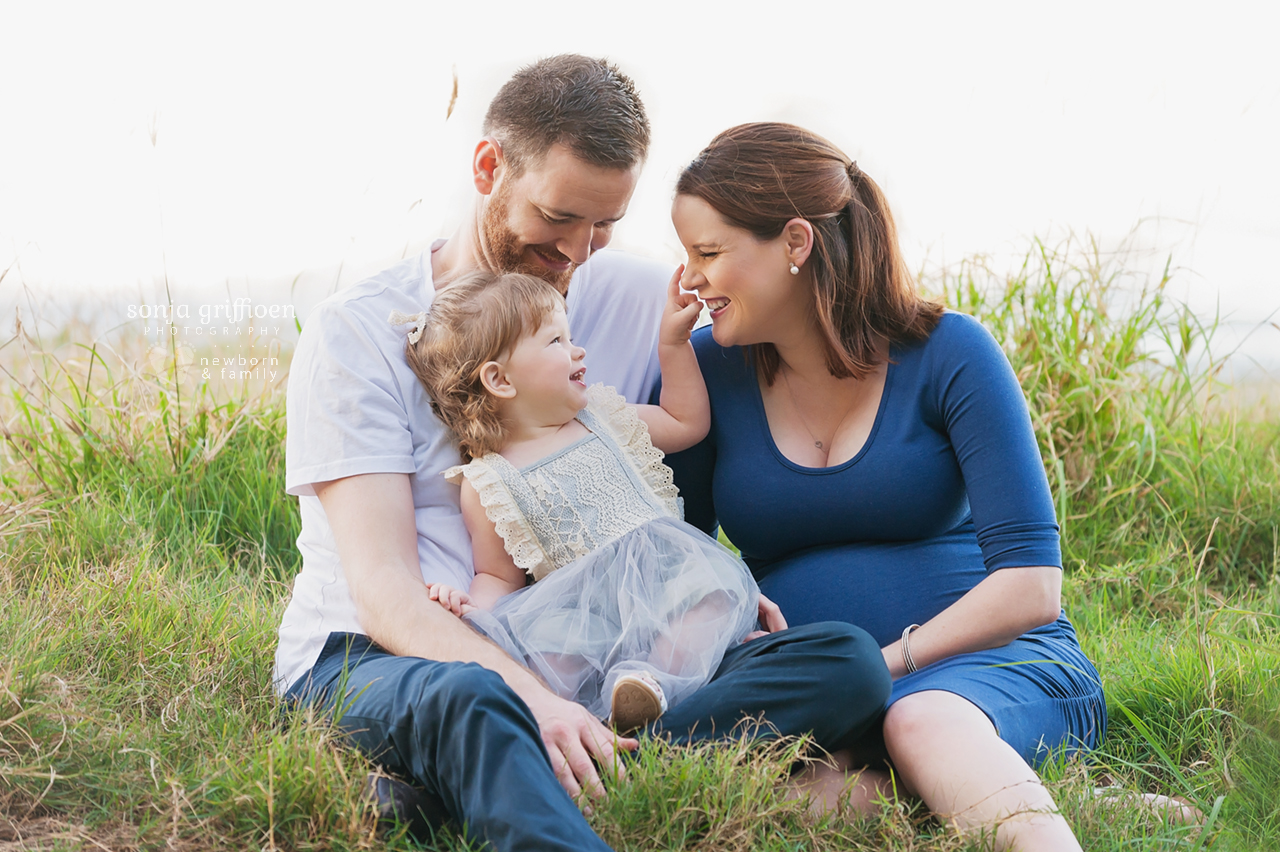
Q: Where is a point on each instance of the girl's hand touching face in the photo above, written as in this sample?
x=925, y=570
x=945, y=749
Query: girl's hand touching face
x=680, y=314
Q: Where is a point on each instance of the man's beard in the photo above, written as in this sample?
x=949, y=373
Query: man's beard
x=503, y=250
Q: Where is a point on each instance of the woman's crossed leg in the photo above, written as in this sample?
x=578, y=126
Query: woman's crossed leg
x=946, y=751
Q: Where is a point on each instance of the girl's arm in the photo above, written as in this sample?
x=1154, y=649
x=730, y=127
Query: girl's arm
x=496, y=572
x=682, y=416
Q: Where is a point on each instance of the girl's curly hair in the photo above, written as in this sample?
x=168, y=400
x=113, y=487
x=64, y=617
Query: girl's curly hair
x=477, y=319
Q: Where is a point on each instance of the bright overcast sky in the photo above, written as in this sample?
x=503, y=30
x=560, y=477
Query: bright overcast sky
x=297, y=138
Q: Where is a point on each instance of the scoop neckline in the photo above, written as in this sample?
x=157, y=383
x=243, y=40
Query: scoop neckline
x=763, y=420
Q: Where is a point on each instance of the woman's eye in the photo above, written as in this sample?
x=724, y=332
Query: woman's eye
x=707, y=254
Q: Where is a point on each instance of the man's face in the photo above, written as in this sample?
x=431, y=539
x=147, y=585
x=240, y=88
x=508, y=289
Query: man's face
x=548, y=221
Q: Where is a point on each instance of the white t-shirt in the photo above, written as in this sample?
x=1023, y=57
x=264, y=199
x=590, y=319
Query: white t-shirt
x=355, y=407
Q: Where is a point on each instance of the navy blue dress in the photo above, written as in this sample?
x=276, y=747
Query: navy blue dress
x=949, y=487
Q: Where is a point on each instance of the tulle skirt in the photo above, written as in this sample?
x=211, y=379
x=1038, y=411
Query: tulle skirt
x=664, y=598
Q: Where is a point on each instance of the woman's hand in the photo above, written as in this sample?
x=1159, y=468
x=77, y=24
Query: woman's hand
x=771, y=617
x=1006, y=604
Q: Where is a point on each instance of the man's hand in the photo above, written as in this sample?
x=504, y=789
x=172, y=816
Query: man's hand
x=770, y=617
x=456, y=601
x=574, y=739
x=373, y=524
x=679, y=315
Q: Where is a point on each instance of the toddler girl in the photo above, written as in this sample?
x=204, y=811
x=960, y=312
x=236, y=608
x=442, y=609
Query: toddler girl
x=630, y=609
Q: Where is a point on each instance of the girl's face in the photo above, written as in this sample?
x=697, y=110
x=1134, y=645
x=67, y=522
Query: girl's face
x=548, y=373
x=746, y=283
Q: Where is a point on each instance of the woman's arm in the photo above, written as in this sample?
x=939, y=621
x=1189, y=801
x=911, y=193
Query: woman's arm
x=977, y=399
x=682, y=417
x=1008, y=603
x=496, y=572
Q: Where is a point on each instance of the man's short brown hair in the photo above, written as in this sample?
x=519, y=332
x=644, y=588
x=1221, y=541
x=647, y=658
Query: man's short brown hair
x=585, y=104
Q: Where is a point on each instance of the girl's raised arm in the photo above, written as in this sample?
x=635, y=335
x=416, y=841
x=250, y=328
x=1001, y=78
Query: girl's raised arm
x=682, y=416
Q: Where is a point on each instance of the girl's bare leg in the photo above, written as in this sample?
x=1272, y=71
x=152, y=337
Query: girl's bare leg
x=688, y=634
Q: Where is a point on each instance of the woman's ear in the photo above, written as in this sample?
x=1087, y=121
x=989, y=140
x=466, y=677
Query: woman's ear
x=487, y=163
x=797, y=237
x=494, y=378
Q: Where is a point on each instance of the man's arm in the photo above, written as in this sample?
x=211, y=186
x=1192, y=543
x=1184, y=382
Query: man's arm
x=373, y=525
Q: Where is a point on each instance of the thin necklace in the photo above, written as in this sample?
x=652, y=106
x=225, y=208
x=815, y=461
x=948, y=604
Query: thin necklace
x=791, y=393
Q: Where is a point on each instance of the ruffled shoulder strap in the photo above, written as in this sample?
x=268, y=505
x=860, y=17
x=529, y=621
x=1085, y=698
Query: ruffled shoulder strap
x=518, y=538
x=632, y=436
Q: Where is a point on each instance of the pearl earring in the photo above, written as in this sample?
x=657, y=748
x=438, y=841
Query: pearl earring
x=795, y=270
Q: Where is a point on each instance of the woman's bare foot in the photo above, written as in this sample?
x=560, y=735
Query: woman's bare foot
x=830, y=786
x=1171, y=809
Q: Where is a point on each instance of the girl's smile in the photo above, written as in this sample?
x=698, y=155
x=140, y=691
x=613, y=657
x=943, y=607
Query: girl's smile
x=547, y=373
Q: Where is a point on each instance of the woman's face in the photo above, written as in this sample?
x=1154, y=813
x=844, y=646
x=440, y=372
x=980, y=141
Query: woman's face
x=746, y=283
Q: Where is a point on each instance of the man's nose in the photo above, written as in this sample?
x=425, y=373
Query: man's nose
x=577, y=244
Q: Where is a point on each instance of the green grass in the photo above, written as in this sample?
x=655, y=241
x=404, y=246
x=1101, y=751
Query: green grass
x=145, y=547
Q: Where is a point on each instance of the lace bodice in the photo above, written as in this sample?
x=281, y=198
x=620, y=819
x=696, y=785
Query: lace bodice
x=581, y=497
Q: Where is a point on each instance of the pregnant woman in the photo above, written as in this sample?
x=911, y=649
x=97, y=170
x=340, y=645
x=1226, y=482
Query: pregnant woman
x=872, y=456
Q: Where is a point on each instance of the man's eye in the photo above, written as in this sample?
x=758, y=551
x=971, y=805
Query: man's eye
x=551, y=220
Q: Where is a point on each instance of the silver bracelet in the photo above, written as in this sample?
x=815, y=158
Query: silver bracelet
x=906, y=649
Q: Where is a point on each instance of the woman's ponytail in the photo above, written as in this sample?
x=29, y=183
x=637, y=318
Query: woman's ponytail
x=759, y=177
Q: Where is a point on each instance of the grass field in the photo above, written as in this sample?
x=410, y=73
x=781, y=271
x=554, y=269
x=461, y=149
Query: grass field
x=147, y=546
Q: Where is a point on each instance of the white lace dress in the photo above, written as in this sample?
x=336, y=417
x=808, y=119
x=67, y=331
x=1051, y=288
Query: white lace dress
x=621, y=583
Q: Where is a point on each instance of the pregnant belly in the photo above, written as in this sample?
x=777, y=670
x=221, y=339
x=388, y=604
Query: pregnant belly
x=879, y=586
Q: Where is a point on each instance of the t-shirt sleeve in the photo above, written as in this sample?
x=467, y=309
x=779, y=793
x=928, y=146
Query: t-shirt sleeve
x=346, y=411
x=985, y=415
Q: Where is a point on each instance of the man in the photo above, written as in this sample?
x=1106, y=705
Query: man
x=564, y=141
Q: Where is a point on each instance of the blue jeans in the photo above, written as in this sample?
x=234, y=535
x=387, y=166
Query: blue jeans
x=458, y=731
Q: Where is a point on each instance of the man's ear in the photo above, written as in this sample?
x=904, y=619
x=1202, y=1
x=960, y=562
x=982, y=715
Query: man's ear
x=487, y=164
x=494, y=378
x=797, y=236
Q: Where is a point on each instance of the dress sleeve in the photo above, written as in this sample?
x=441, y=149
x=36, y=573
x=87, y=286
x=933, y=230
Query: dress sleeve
x=632, y=435
x=518, y=538
x=985, y=414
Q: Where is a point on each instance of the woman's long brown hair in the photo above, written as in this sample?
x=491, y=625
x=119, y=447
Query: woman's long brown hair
x=760, y=176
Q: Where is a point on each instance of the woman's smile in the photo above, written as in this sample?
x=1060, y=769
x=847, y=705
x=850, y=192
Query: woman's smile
x=744, y=281
x=716, y=305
